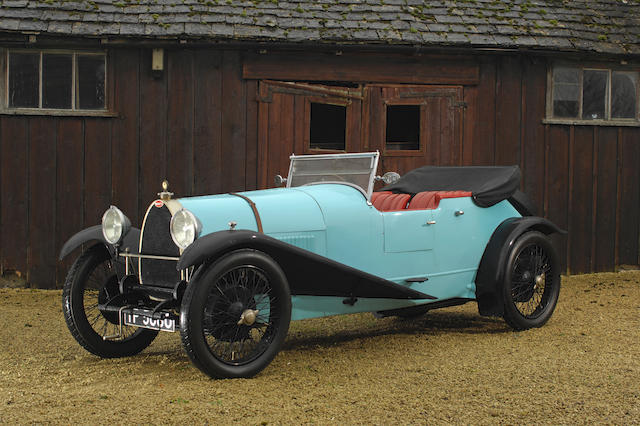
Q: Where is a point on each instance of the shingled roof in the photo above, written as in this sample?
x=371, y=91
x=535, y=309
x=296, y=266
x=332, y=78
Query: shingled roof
x=610, y=26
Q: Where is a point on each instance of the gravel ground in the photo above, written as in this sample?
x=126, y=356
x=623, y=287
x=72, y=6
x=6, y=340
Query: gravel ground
x=450, y=366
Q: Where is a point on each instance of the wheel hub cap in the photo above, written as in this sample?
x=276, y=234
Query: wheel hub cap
x=539, y=280
x=248, y=317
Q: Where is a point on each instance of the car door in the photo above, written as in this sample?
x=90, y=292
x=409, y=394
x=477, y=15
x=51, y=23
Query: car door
x=457, y=244
x=408, y=230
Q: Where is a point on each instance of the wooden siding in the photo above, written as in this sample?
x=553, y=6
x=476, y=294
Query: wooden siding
x=198, y=125
x=59, y=174
x=585, y=179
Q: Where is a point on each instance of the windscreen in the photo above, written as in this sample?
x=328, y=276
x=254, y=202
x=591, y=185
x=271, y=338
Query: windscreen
x=355, y=169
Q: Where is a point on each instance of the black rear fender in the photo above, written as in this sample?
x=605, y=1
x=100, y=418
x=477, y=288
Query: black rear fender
x=307, y=272
x=491, y=271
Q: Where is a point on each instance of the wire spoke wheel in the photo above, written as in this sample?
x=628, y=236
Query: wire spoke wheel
x=530, y=278
x=532, y=282
x=235, y=314
x=231, y=338
x=101, y=286
x=91, y=282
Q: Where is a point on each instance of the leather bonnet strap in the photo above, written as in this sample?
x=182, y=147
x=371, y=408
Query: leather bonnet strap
x=253, y=207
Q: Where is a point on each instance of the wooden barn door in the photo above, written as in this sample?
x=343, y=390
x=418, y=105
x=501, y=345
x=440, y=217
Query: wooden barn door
x=304, y=119
x=413, y=126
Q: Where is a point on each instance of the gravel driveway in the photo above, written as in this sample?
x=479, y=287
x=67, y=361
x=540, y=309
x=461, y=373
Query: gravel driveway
x=449, y=366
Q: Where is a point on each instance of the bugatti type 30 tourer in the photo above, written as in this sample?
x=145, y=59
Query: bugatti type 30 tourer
x=230, y=271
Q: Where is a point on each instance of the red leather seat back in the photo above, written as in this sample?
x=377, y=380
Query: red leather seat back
x=453, y=194
x=431, y=199
x=424, y=200
x=376, y=195
x=386, y=201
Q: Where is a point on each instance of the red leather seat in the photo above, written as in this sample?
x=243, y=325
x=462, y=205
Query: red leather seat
x=424, y=200
x=386, y=201
x=431, y=199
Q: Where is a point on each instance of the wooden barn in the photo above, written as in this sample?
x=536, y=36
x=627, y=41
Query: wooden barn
x=101, y=100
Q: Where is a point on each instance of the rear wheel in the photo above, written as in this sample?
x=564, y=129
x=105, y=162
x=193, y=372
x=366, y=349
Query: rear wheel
x=532, y=282
x=91, y=281
x=235, y=315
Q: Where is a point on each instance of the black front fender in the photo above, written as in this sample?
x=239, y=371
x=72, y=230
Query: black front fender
x=496, y=255
x=94, y=233
x=308, y=273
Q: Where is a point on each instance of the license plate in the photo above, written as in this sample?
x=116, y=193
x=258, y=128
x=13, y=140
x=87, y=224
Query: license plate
x=143, y=318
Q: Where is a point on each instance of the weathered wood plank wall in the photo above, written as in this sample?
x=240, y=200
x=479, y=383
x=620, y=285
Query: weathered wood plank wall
x=586, y=179
x=59, y=174
x=197, y=125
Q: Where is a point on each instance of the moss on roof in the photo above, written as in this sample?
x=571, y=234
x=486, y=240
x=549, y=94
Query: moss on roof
x=611, y=26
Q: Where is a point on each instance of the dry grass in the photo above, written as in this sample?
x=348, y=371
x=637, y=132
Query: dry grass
x=450, y=366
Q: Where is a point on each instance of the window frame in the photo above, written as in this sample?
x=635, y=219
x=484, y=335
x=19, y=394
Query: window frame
x=608, y=120
x=5, y=109
x=346, y=103
x=423, y=137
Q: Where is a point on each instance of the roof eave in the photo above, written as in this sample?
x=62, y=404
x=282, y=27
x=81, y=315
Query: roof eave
x=31, y=38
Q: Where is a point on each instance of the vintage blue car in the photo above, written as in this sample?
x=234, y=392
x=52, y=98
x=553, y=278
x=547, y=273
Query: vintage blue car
x=230, y=271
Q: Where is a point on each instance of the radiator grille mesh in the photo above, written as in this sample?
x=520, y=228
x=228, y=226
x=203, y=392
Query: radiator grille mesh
x=156, y=239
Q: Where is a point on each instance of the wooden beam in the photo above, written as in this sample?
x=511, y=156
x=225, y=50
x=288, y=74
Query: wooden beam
x=365, y=68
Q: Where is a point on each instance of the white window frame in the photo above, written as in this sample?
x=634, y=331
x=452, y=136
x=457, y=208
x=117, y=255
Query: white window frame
x=5, y=109
x=608, y=120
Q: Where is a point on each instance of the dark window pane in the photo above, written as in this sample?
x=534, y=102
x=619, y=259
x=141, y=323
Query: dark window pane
x=23, y=80
x=594, y=94
x=566, y=92
x=623, y=95
x=90, y=86
x=328, y=126
x=403, y=127
x=566, y=75
x=56, y=81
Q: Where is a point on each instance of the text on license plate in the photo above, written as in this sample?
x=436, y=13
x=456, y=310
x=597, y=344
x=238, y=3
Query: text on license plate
x=140, y=318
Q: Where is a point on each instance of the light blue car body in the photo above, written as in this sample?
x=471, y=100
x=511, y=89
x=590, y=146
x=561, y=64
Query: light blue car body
x=230, y=271
x=337, y=222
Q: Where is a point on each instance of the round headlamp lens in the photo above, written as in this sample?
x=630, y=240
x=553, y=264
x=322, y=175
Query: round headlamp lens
x=114, y=225
x=184, y=228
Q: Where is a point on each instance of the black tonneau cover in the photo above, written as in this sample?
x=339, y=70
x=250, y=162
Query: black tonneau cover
x=489, y=185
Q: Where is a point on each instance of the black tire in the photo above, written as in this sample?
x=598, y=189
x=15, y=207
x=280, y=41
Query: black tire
x=531, y=282
x=91, y=280
x=214, y=303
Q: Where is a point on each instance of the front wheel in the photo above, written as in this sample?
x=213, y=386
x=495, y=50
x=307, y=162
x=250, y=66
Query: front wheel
x=235, y=315
x=531, y=282
x=92, y=281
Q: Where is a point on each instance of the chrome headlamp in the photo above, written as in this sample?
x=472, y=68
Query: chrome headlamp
x=185, y=228
x=115, y=225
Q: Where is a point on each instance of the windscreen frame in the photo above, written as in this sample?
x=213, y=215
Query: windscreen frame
x=294, y=173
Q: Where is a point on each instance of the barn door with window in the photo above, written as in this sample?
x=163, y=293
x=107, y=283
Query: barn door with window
x=304, y=119
x=413, y=126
